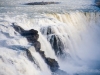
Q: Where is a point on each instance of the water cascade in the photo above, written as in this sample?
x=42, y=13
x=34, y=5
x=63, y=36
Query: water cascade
x=71, y=39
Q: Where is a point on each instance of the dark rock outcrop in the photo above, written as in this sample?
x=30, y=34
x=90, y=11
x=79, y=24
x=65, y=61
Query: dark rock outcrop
x=52, y=64
x=47, y=30
x=41, y=3
x=37, y=45
x=54, y=40
x=32, y=59
x=42, y=54
x=29, y=55
x=32, y=36
x=18, y=28
x=57, y=44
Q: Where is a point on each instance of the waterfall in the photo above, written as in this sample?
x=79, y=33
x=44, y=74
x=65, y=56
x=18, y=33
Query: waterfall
x=71, y=38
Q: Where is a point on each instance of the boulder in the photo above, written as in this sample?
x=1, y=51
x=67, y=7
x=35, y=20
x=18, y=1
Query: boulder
x=29, y=55
x=31, y=58
x=57, y=44
x=37, y=45
x=47, y=30
x=32, y=38
x=29, y=32
x=53, y=64
x=42, y=54
x=31, y=35
x=18, y=28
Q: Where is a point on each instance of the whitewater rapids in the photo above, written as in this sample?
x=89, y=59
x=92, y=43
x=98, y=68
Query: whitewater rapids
x=79, y=32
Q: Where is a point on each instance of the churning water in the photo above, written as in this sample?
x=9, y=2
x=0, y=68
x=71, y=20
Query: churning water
x=75, y=22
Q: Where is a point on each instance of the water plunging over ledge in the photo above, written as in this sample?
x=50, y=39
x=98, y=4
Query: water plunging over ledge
x=68, y=33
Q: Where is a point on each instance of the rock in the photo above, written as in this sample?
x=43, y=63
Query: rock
x=29, y=55
x=57, y=45
x=17, y=28
x=60, y=72
x=32, y=38
x=37, y=45
x=31, y=58
x=54, y=40
x=31, y=35
x=52, y=64
x=29, y=32
x=47, y=30
x=24, y=32
x=42, y=54
x=41, y=3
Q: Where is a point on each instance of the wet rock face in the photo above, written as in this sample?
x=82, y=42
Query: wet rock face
x=52, y=64
x=29, y=32
x=37, y=45
x=47, y=30
x=42, y=53
x=24, y=32
x=57, y=44
x=18, y=28
x=41, y=3
x=32, y=36
x=54, y=40
x=31, y=58
x=29, y=55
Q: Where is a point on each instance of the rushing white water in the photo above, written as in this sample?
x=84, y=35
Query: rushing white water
x=79, y=32
x=14, y=61
x=76, y=24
